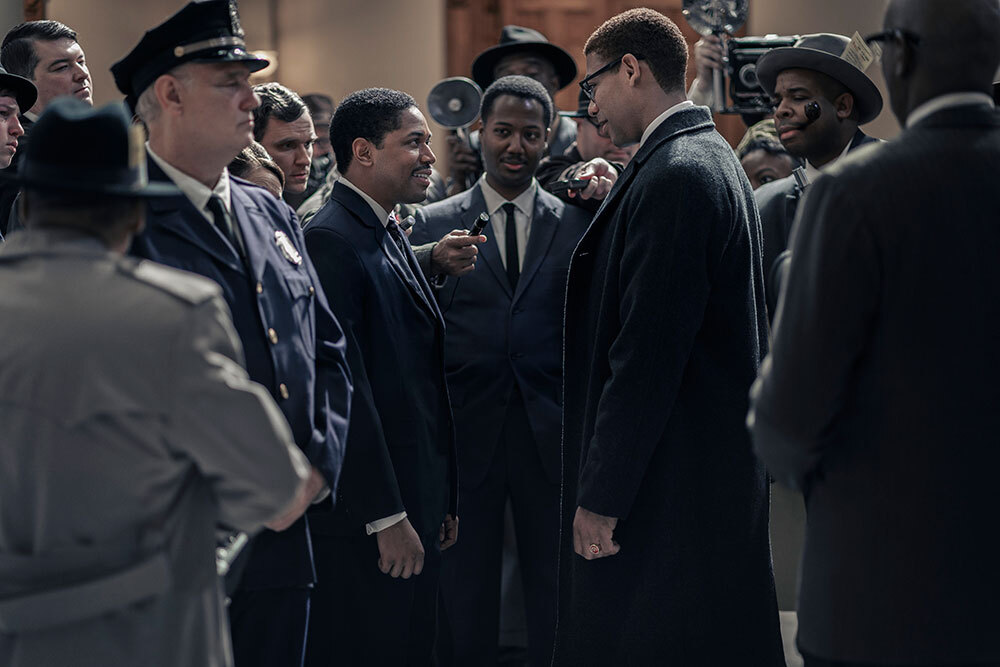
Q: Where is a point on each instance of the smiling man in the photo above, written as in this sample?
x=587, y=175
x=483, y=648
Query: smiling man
x=188, y=79
x=821, y=100
x=284, y=127
x=665, y=554
x=378, y=554
x=504, y=360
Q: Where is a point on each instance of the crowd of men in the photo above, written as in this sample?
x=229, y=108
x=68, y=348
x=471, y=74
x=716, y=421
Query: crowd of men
x=560, y=341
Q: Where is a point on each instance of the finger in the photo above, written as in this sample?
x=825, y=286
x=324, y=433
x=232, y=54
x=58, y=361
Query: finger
x=615, y=548
x=407, y=568
x=397, y=569
x=418, y=566
x=578, y=542
x=441, y=533
x=591, y=188
x=383, y=566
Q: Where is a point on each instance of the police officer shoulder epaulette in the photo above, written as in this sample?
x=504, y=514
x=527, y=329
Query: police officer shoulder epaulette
x=186, y=286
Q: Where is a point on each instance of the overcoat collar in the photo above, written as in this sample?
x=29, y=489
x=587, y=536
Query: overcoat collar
x=544, y=221
x=409, y=273
x=961, y=116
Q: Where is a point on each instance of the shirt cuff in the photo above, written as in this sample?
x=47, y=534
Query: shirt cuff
x=321, y=496
x=381, y=524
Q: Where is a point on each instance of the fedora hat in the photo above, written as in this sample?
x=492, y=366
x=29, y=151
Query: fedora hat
x=24, y=90
x=76, y=148
x=203, y=32
x=822, y=52
x=515, y=39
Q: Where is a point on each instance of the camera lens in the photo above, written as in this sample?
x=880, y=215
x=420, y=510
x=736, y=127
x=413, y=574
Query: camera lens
x=748, y=75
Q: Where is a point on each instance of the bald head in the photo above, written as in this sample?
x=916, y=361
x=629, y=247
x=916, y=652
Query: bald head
x=956, y=49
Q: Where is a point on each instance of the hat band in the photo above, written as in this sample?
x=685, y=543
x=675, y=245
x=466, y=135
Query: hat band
x=181, y=51
x=43, y=176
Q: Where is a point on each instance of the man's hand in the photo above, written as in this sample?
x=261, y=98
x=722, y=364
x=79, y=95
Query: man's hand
x=448, y=534
x=601, y=175
x=591, y=529
x=400, y=551
x=463, y=163
x=707, y=58
x=455, y=254
x=306, y=494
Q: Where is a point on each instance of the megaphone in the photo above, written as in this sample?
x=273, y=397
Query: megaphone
x=454, y=102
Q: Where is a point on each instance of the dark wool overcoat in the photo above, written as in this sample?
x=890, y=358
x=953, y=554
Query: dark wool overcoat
x=665, y=327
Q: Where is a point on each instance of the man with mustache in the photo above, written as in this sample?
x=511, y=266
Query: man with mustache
x=504, y=360
x=48, y=54
x=805, y=79
x=188, y=80
x=378, y=553
x=284, y=127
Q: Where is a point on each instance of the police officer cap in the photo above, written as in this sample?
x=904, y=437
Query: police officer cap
x=204, y=31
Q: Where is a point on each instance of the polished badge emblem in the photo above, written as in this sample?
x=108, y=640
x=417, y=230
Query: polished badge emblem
x=287, y=247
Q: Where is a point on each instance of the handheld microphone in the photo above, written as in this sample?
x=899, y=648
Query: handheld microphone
x=813, y=111
x=480, y=224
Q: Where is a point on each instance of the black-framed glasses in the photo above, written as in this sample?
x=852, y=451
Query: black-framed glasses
x=894, y=34
x=585, y=82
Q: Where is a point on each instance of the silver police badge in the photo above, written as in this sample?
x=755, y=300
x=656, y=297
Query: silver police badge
x=287, y=248
x=234, y=19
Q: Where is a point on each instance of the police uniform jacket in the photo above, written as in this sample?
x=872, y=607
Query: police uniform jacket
x=129, y=431
x=293, y=345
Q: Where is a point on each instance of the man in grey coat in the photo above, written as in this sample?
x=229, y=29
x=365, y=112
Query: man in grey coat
x=130, y=430
x=665, y=554
x=879, y=400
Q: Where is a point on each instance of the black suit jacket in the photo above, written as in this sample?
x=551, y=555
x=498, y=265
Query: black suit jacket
x=665, y=328
x=303, y=366
x=401, y=443
x=498, y=338
x=880, y=397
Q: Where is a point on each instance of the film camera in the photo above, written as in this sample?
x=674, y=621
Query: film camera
x=741, y=64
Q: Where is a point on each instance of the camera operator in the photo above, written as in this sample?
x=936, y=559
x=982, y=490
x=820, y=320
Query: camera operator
x=708, y=57
x=821, y=100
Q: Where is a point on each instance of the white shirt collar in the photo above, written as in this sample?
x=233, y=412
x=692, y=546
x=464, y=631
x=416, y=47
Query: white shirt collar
x=814, y=172
x=30, y=115
x=662, y=117
x=380, y=212
x=524, y=202
x=193, y=189
x=940, y=102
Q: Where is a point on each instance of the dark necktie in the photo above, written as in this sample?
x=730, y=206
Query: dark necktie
x=224, y=222
x=513, y=270
x=397, y=236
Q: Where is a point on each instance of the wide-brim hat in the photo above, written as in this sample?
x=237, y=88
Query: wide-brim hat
x=582, y=106
x=76, y=148
x=822, y=52
x=24, y=90
x=515, y=39
x=204, y=31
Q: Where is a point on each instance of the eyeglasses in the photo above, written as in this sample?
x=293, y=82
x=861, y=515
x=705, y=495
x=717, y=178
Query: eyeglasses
x=894, y=34
x=585, y=82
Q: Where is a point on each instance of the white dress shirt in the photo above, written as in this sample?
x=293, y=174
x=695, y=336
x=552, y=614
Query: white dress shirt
x=940, y=102
x=680, y=106
x=195, y=190
x=812, y=173
x=524, y=208
x=379, y=524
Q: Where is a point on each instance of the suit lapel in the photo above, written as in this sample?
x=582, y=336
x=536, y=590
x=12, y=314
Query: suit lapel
x=543, y=229
x=179, y=216
x=489, y=252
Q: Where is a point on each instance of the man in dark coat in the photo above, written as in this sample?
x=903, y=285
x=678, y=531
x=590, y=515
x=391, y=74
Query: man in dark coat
x=378, y=553
x=822, y=99
x=879, y=397
x=188, y=79
x=665, y=543
x=504, y=360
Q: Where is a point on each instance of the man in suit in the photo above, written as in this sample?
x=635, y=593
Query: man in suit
x=283, y=126
x=48, y=54
x=129, y=427
x=378, y=552
x=188, y=81
x=822, y=99
x=665, y=554
x=878, y=399
x=504, y=361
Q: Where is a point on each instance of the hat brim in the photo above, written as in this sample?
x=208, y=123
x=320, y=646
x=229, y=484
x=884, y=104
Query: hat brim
x=24, y=90
x=486, y=62
x=152, y=190
x=231, y=55
x=866, y=94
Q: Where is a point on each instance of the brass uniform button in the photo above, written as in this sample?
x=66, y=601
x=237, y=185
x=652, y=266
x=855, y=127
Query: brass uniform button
x=272, y=335
x=260, y=288
x=283, y=390
x=312, y=290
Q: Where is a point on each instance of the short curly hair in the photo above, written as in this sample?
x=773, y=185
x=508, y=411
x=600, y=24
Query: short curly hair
x=276, y=101
x=647, y=33
x=371, y=114
x=518, y=86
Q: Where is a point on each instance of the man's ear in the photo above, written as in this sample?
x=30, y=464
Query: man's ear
x=844, y=104
x=631, y=66
x=169, y=93
x=363, y=151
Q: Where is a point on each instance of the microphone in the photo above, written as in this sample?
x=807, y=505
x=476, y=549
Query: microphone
x=813, y=111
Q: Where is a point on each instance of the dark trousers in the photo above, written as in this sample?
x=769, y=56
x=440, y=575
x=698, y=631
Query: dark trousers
x=269, y=627
x=360, y=616
x=811, y=661
x=471, y=569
